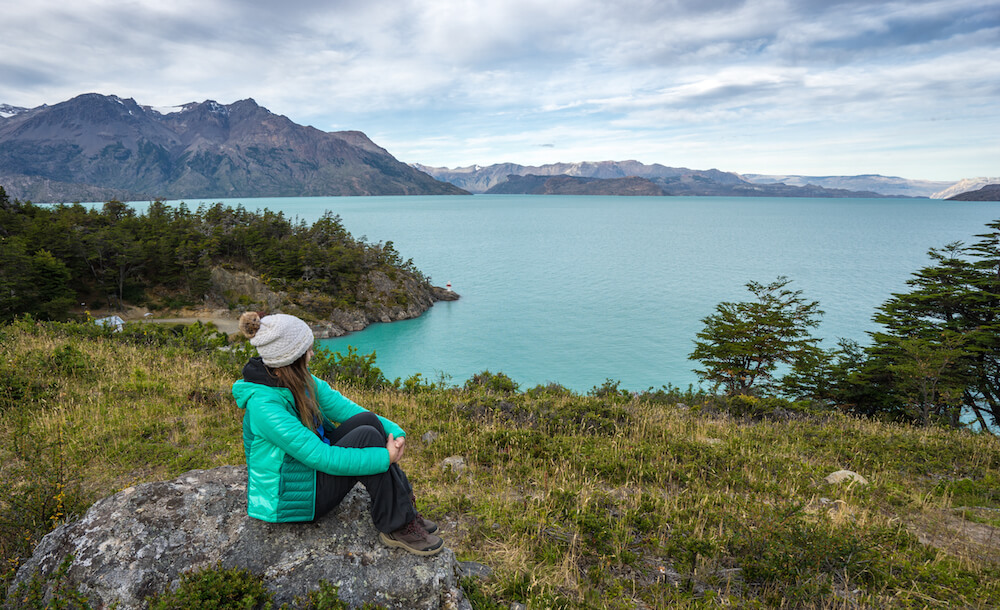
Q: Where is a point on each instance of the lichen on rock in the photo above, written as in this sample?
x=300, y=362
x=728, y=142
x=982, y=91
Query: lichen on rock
x=140, y=541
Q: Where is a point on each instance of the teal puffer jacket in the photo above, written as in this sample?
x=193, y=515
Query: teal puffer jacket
x=283, y=455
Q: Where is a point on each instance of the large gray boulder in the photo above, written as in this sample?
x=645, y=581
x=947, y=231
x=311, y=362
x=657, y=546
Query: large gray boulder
x=139, y=541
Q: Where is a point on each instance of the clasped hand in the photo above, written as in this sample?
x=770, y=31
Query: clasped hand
x=396, y=447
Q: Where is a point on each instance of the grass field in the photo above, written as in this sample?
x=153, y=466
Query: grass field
x=664, y=499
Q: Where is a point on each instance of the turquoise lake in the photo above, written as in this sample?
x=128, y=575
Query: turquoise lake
x=576, y=290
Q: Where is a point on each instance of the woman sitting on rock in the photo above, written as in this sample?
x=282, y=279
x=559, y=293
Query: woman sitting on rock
x=307, y=445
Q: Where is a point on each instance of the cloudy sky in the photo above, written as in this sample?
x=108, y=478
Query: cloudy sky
x=816, y=87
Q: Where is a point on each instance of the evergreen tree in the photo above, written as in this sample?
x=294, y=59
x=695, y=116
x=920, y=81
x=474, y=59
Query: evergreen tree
x=940, y=348
x=743, y=343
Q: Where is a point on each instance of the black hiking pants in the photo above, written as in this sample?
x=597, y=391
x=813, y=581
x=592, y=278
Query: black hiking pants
x=390, y=491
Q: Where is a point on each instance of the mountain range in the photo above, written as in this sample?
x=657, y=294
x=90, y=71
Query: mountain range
x=885, y=185
x=100, y=147
x=97, y=147
x=662, y=180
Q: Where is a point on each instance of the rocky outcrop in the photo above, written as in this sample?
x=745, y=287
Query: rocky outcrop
x=140, y=541
x=848, y=476
x=230, y=287
x=381, y=298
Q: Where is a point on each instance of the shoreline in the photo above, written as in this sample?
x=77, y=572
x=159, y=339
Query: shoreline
x=227, y=321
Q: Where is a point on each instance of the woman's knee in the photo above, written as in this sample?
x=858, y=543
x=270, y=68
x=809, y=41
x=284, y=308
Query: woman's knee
x=364, y=419
x=363, y=436
x=361, y=420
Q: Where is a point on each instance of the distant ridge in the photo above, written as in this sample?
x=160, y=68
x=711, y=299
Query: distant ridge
x=572, y=185
x=990, y=192
x=103, y=145
x=884, y=185
x=669, y=180
x=965, y=186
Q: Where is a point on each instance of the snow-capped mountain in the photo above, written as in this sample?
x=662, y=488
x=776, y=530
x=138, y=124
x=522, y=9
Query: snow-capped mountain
x=964, y=186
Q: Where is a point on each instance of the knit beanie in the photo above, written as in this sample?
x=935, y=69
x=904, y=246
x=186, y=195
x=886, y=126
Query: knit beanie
x=280, y=339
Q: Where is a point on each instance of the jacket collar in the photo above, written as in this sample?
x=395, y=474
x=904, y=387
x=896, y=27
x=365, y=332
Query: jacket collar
x=256, y=371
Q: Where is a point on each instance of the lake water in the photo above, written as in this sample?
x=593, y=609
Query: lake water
x=577, y=290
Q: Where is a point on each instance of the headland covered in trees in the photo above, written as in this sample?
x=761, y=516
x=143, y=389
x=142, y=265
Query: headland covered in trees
x=62, y=261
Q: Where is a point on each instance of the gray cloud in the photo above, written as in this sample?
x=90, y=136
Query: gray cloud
x=454, y=74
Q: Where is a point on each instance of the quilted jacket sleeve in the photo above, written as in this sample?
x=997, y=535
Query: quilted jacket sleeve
x=271, y=419
x=338, y=408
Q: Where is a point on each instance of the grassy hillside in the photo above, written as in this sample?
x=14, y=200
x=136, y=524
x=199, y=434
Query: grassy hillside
x=664, y=499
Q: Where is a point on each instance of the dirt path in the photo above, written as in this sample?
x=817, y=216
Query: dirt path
x=226, y=325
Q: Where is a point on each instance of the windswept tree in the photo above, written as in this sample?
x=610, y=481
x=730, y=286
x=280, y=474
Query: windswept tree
x=743, y=343
x=940, y=347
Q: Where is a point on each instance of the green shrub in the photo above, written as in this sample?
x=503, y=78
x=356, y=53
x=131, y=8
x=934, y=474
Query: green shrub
x=550, y=390
x=495, y=383
x=69, y=361
x=609, y=390
x=983, y=492
x=416, y=384
x=670, y=395
x=797, y=556
x=558, y=415
x=351, y=369
x=31, y=595
x=478, y=599
x=22, y=386
x=40, y=490
x=232, y=588
x=760, y=407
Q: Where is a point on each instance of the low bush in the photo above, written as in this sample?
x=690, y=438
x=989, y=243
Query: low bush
x=229, y=589
x=491, y=383
x=352, y=369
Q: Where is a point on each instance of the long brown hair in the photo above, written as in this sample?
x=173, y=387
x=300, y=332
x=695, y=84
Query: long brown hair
x=296, y=377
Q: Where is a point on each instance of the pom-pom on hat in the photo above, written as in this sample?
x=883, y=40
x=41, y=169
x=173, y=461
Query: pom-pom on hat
x=280, y=339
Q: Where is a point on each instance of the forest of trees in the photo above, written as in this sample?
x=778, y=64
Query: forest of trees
x=935, y=359
x=53, y=257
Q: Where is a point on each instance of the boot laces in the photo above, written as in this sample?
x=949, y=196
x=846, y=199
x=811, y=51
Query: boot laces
x=414, y=528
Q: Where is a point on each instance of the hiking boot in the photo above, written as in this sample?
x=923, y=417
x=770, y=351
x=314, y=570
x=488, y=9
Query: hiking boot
x=413, y=538
x=427, y=524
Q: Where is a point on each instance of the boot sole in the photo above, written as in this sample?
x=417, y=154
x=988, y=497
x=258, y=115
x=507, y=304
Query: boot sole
x=402, y=545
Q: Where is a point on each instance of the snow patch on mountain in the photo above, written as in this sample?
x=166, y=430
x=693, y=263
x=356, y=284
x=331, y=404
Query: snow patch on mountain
x=164, y=110
x=7, y=111
x=964, y=186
